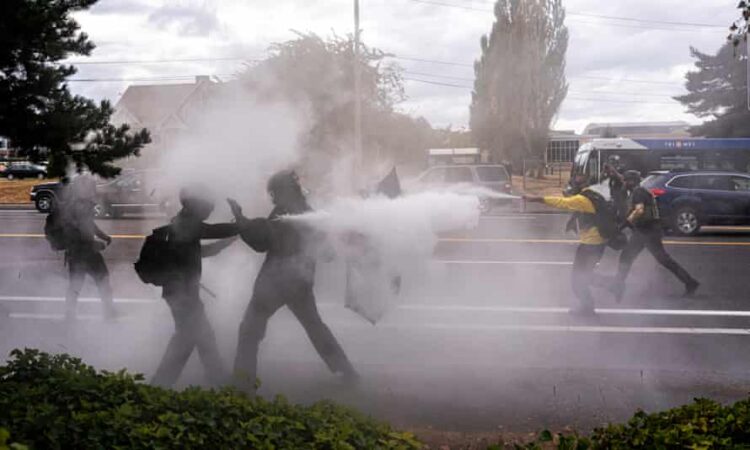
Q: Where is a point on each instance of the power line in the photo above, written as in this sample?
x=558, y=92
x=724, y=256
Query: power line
x=438, y=83
x=626, y=80
x=432, y=61
x=156, y=61
x=585, y=99
x=587, y=77
x=164, y=78
x=597, y=16
x=447, y=77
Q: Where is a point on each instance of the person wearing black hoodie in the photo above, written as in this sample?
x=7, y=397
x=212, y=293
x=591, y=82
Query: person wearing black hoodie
x=182, y=293
x=285, y=279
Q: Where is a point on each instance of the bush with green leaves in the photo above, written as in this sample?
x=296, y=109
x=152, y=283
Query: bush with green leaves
x=58, y=402
x=701, y=425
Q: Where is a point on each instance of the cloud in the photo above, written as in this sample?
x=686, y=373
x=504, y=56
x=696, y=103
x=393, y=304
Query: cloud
x=604, y=55
x=186, y=20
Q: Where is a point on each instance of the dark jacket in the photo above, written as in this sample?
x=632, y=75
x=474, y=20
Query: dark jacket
x=186, y=233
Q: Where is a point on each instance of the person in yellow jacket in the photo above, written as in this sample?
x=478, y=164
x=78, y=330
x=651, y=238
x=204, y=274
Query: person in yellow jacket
x=591, y=247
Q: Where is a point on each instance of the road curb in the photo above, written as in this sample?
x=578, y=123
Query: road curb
x=16, y=206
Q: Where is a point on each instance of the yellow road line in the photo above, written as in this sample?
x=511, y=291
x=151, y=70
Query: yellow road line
x=573, y=241
x=36, y=235
x=456, y=240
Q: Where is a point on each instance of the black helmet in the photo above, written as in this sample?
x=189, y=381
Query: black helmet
x=285, y=189
x=196, y=194
x=283, y=181
x=632, y=176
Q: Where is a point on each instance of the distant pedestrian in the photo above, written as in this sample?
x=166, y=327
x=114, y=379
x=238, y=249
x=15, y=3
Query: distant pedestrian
x=83, y=242
x=285, y=279
x=182, y=290
x=582, y=202
x=643, y=217
x=617, y=191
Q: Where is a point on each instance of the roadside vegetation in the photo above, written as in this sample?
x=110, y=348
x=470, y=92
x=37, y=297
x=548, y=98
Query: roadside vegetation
x=17, y=191
x=58, y=402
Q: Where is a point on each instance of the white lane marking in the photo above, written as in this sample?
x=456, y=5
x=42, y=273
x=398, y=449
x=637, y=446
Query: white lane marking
x=584, y=329
x=484, y=328
x=53, y=317
x=558, y=310
x=81, y=300
x=521, y=263
x=450, y=308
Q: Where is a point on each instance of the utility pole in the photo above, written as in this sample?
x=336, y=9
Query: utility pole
x=357, y=157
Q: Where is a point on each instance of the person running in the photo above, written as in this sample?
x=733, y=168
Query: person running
x=643, y=218
x=285, y=279
x=591, y=247
x=84, y=243
x=182, y=292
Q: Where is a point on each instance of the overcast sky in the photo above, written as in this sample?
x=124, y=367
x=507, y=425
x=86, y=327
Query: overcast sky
x=619, y=69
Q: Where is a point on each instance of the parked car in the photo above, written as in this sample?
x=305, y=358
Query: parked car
x=24, y=170
x=492, y=176
x=131, y=192
x=43, y=195
x=689, y=200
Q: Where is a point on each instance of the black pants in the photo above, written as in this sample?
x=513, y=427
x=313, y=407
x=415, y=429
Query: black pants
x=192, y=331
x=81, y=264
x=584, y=274
x=270, y=294
x=651, y=239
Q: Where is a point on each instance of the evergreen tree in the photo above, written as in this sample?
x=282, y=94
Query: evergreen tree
x=717, y=90
x=37, y=111
x=520, y=79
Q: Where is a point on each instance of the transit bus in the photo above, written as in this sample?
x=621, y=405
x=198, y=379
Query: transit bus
x=647, y=155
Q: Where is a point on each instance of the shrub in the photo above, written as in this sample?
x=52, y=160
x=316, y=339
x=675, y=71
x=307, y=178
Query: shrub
x=701, y=425
x=57, y=402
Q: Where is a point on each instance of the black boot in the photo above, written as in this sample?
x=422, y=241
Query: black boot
x=690, y=287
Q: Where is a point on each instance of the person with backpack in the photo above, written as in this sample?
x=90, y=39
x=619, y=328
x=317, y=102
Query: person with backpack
x=596, y=224
x=178, y=258
x=286, y=278
x=643, y=218
x=71, y=227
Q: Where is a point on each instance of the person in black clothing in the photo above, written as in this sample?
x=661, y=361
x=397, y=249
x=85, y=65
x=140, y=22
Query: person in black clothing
x=182, y=294
x=285, y=279
x=85, y=242
x=617, y=191
x=643, y=218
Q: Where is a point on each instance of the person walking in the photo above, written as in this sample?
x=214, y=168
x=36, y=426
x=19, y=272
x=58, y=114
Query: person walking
x=182, y=290
x=643, y=218
x=591, y=247
x=84, y=243
x=285, y=279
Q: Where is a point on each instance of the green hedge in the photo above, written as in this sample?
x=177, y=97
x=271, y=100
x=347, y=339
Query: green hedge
x=57, y=402
x=701, y=425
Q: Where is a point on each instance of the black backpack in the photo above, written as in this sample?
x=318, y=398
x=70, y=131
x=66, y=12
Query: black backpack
x=56, y=230
x=606, y=220
x=156, y=263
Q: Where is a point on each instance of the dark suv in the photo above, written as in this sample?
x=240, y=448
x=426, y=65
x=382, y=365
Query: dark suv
x=131, y=192
x=689, y=200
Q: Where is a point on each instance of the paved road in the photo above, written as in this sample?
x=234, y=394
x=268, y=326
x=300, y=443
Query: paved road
x=481, y=337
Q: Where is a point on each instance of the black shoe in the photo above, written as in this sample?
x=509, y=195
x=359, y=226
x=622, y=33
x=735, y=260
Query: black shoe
x=350, y=377
x=691, y=287
x=583, y=311
x=112, y=315
x=618, y=290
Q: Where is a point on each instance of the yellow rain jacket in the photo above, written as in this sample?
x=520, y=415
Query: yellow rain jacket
x=578, y=203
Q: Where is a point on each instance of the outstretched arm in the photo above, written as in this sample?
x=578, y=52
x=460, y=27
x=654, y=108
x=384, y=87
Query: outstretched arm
x=101, y=234
x=219, y=230
x=576, y=203
x=213, y=249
